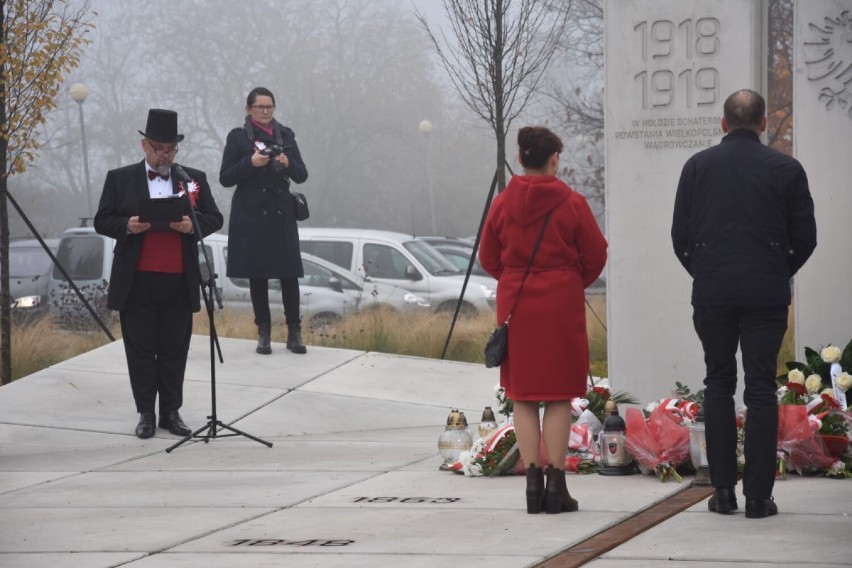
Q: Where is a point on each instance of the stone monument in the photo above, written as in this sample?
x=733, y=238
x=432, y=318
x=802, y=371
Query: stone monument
x=670, y=64
x=822, y=142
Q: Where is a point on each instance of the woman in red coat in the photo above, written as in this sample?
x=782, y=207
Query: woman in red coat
x=548, y=355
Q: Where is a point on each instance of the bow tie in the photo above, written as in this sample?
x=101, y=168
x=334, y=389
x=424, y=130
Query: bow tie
x=152, y=175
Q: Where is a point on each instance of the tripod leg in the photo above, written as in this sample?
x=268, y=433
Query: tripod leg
x=241, y=433
x=209, y=426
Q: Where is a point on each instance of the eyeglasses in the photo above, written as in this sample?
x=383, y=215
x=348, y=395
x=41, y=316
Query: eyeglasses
x=263, y=108
x=163, y=151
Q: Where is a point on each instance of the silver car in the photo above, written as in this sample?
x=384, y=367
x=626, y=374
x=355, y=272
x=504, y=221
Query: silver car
x=398, y=260
x=29, y=273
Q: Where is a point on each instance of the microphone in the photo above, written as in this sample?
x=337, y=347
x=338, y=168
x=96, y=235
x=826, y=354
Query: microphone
x=181, y=173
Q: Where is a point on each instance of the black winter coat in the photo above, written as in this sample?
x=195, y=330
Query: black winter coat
x=263, y=239
x=743, y=222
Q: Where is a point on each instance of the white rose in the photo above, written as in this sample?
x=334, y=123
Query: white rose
x=652, y=406
x=844, y=381
x=831, y=354
x=796, y=376
x=813, y=383
x=829, y=392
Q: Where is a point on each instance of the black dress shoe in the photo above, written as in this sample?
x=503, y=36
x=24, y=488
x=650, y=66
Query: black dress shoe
x=723, y=501
x=145, y=428
x=760, y=508
x=172, y=422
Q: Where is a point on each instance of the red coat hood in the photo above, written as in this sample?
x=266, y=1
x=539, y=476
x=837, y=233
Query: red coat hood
x=529, y=198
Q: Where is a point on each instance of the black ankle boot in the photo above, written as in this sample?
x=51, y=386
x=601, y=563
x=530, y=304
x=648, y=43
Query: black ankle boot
x=264, y=331
x=556, y=493
x=535, y=489
x=294, y=339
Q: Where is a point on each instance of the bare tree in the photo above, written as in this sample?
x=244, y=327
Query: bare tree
x=500, y=51
x=40, y=41
x=576, y=99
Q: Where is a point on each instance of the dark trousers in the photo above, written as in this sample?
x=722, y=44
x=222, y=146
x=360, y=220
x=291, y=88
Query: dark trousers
x=156, y=324
x=759, y=332
x=259, y=292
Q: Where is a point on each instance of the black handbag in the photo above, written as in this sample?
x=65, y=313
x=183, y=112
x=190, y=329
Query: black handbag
x=300, y=206
x=498, y=342
x=495, y=347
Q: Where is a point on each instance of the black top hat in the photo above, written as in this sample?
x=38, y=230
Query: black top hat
x=162, y=126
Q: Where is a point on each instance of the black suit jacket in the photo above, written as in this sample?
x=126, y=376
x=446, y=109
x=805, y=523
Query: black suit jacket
x=124, y=188
x=743, y=222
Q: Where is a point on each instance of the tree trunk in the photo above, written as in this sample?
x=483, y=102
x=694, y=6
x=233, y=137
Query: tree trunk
x=499, y=109
x=5, y=298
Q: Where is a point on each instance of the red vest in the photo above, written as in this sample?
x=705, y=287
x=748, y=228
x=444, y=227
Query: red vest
x=161, y=252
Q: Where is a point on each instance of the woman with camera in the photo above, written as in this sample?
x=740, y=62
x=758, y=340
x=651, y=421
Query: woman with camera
x=261, y=158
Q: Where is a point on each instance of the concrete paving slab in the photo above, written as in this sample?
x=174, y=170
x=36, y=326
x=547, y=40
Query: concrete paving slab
x=20, y=479
x=66, y=560
x=428, y=489
x=817, y=507
x=415, y=380
x=281, y=369
x=409, y=434
x=241, y=364
x=299, y=560
x=171, y=489
x=411, y=530
x=97, y=529
x=641, y=563
x=32, y=449
x=284, y=455
x=104, y=403
x=755, y=540
x=300, y=413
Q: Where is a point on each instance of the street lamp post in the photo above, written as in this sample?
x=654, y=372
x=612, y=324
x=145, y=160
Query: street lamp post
x=425, y=128
x=79, y=92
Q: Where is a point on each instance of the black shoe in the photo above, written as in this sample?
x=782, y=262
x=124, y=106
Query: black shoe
x=264, y=333
x=535, y=490
x=145, y=428
x=723, y=501
x=760, y=508
x=294, y=339
x=172, y=422
x=557, y=498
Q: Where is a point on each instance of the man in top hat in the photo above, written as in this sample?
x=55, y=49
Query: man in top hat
x=155, y=280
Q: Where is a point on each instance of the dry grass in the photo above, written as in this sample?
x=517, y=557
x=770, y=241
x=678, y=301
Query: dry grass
x=38, y=345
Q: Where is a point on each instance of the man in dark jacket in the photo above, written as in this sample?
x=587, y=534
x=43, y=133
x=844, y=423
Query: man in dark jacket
x=154, y=283
x=743, y=226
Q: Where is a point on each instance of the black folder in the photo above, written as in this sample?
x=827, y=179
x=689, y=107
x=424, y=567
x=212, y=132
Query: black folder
x=168, y=209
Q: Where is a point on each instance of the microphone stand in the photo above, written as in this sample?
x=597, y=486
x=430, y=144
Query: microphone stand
x=209, y=291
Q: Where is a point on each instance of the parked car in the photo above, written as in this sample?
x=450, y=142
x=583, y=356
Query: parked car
x=321, y=288
x=399, y=260
x=458, y=251
x=365, y=295
x=29, y=274
x=86, y=257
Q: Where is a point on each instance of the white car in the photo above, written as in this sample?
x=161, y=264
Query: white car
x=398, y=260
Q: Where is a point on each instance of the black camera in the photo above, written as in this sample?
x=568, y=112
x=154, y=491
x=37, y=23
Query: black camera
x=274, y=150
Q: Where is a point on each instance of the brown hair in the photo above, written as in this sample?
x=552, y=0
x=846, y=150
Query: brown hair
x=535, y=146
